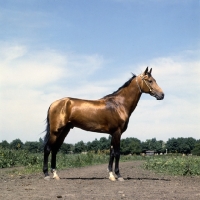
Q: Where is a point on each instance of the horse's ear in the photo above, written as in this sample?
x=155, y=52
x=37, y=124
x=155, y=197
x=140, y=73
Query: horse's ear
x=150, y=71
x=146, y=71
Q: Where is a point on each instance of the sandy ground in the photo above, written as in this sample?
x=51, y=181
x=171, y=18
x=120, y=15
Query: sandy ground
x=92, y=183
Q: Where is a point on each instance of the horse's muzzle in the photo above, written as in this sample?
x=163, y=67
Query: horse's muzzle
x=160, y=97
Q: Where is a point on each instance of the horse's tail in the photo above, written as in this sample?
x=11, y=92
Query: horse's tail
x=46, y=137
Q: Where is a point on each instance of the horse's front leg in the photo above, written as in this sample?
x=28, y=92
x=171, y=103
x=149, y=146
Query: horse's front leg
x=115, y=154
x=110, y=165
x=53, y=165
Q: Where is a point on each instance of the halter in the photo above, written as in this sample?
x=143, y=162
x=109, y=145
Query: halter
x=150, y=89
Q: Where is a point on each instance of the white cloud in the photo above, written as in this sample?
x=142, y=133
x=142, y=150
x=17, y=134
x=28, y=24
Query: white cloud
x=8, y=53
x=21, y=68
x=84, y=64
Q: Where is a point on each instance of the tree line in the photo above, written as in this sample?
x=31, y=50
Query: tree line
x=128, y=146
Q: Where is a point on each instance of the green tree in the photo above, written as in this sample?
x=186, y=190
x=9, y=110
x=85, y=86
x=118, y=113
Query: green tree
x=153, y=145
x=180, y=145
x=16, y=144
x=41, y=141
x=130, y=146
x=172, y=145
x=145, y=146
x=93, y=146
x=104, y=143
x=80, y=147
x=125, y=146
x=136, y=146
x=66, y=148
x=4, y=144
x=196, y=150
x=184, y=148
x=191, y=143
x=33, y=147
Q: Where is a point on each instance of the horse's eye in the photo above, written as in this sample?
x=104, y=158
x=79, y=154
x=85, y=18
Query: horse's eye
x=150, y=81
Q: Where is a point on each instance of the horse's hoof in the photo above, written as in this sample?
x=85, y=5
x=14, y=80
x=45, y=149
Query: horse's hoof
x=120, y=179
x=112, y=177
x=47, y=178
x=56, y=177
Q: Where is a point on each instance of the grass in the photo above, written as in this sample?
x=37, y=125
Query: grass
x=23, y=162
x=174, y=165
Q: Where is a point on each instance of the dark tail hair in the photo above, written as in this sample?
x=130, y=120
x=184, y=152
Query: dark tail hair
x=46, y=137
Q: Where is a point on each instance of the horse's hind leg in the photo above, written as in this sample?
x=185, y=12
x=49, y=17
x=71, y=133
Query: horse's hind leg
x=47, y=149
x=57, y=129
x=55, y=149
x=45, y=164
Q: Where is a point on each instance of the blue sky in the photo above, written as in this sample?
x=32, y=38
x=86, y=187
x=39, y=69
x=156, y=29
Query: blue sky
x=88, y=49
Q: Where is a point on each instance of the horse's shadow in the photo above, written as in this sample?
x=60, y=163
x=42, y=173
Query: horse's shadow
x=127, y=178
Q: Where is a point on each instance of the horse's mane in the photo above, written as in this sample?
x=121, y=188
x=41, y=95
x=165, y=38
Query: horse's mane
x=126, y=84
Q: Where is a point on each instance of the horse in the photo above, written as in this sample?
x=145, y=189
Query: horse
x=109, y=115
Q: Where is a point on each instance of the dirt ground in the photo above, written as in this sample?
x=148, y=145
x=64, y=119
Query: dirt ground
x=92, y=183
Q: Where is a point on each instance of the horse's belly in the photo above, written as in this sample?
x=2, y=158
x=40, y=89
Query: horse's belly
x=91, y=125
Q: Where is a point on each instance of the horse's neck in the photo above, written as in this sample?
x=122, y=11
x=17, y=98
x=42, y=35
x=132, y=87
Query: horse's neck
x=131, y=96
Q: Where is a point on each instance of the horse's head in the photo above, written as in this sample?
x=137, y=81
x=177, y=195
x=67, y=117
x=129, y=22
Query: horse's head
x=148, y=85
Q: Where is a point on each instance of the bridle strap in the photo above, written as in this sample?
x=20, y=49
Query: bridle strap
x=147, y=85
x=150, y=89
